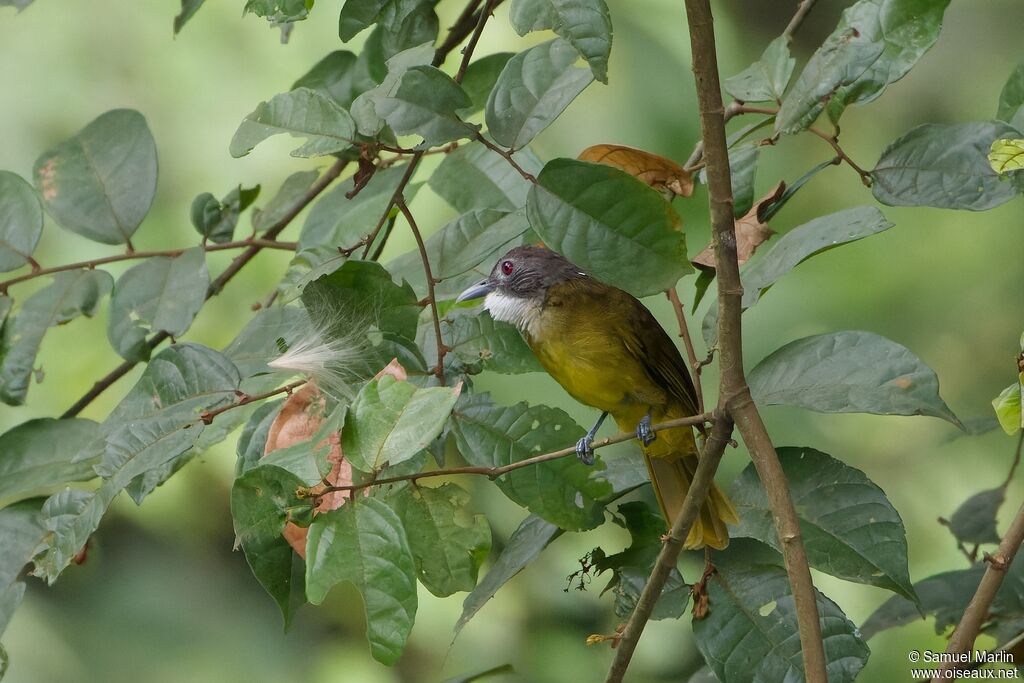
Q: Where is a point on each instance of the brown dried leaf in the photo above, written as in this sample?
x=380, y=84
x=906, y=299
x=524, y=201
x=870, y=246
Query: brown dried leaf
x=662, y=174
x=750, y=232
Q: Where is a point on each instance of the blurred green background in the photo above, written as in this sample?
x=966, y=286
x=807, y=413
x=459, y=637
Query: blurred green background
x=164, y=598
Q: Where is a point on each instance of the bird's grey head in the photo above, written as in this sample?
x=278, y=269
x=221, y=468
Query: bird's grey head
x=518, y=282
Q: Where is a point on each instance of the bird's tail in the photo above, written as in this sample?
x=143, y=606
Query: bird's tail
x=671, y=462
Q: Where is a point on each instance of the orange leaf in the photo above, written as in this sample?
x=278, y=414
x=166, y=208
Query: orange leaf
x=751, y=232
x=660, y=173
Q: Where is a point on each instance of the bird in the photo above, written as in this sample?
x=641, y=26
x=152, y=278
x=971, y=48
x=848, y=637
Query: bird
x=609, y=352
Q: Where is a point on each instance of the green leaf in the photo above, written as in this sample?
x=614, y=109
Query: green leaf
x=338, y=76
x=474, y=177
x=975, y=520
x=750, y=632
x=425, y=103
x=21, y=531
x=280, y=11
x=335, y=220
x=586, y=24
x=402, y=23
x=391, y=421
x=471, y=241
x=101, y=182
x=160, y=294
x=479, y=80
x=262, y=501
x=850, y=528
x=1011, y=99
x=21, y=221
x=293, y=189
x=945, y=166
x=563, y=491
x=503, y=669
x=498, y=346
x=1006, y=156
x=811, y=238
x=188, y=9
x=40, y=455
x=613, y=226
x=257, y=343
x=523, y=546
x=19, y=5
x=324, y=123
x=766, y=79
x=447, y=544
x=906, y=29
x=1008, y=407
x=632, y=567
x=533, y=89
x=944, y=596
x=70, y=294
x=841, y=60
x=152, y=427
x=363, y=107
x=363, y=542
x=252, y=442
x=363, y=289
x=743, y=169
x=216, y=220
x=357, y=15
x=849, y=372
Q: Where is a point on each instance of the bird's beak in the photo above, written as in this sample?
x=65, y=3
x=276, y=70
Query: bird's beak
x=477, y=291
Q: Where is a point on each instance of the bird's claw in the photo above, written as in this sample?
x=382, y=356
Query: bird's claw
x=584, y=450
x=644, y=431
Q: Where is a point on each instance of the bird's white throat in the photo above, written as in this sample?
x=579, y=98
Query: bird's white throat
x=519, y=312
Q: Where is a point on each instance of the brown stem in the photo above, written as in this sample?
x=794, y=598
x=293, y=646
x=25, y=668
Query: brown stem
x=507, y=156
x=431, y=299
x=239, y=262
x=38, y=271
x=684, y=332
x=208, y=416
x=703, y=477
x=802, y=10
x=495, y=472
x=467, y=52
x=833, y=141
x=976, y=613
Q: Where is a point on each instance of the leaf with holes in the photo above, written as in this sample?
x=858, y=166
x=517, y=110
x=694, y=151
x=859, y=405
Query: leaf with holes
x=849, y=372
x=850, y=528
x=364, y=543
x=101, y=182
x=21, y=221
x=447, y=543
x=564, y=491
x=160, y=294
x=533, y=89
x=610, y=224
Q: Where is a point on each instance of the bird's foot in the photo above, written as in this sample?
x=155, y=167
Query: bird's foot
x=644, y=431
x=585, y=450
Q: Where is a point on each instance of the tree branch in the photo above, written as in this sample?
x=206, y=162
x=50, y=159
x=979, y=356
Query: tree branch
x=976, y=613
x=208, y=416
x=239, y=262
x=734, y=391
x=495, y=472
x=703, y=477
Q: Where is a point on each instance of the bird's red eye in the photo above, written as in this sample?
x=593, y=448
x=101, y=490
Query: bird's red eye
x=506, y=267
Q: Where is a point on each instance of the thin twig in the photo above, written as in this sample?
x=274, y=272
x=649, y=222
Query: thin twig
x=38, y=271
x=501, y=151
x=239, y=262
x=431, y=299
x=495, y=472
x=467, y=52
x=684, y=332
x=802, y=9
x=208, y=416
x=1016, y=460
x=977, y=609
